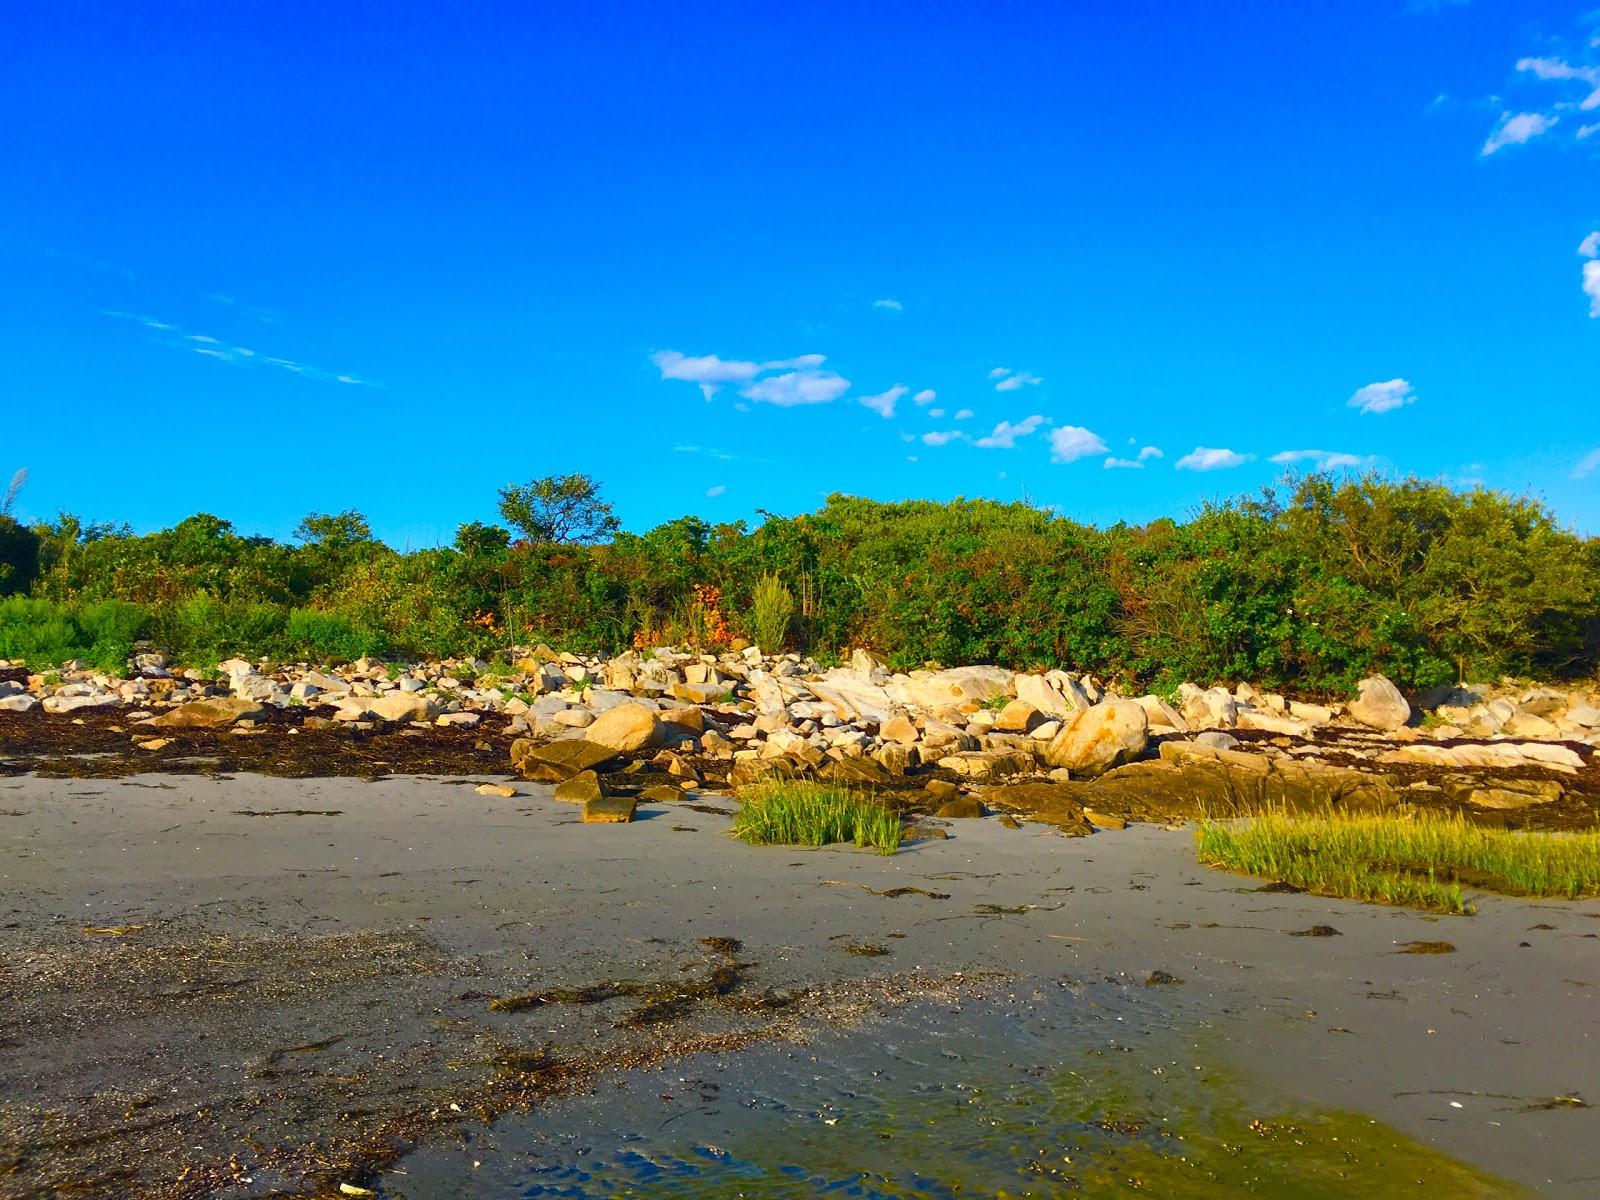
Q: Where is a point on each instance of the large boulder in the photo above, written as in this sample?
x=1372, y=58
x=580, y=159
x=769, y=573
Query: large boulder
x=1214, y=708
x=398, y=706
x=627, y=729
x=1056, y=694
x=66, y=704
x=1097, y=739
x=935, y=690
x=1380, y=704
x=853, y=696
x=209, y=714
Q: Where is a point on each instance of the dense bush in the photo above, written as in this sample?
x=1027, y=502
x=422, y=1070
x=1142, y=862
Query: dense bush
x=1307, y=589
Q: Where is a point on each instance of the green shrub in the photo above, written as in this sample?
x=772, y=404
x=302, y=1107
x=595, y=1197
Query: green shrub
x=40, y=632
x=327, y=637
x=771, y=610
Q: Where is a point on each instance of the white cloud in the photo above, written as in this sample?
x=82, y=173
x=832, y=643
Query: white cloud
x=1123, y=464
x=1591, y=286
x=1069, y=443
x=1586, y=130
x=925, y=396
x=797, y=387
x=936, y=438
x=911, y=458
x=710, y=372
x=1558, y=68
x=1204, y=458
x=1324, y=460
x=936, y=413
x=1007, y=380
x=1005, y=434
x=1382, y=397
x=707, y=370
x=1516, y=128
x=883, y=403
x=963, y=414
x=1590, y=246
x=891, y=305
x=713, y=492
x=1150, y=452
x=1587, y=465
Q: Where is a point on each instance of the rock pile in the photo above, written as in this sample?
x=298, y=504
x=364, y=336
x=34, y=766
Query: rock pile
x=746, y=714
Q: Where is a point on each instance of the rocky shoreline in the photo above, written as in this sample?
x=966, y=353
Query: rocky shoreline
x=668, y=725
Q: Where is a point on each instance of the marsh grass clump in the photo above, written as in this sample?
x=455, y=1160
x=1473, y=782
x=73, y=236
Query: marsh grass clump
x=791, y=813
x=1425, y=863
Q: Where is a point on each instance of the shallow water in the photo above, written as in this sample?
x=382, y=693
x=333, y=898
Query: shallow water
x=1088, y=1091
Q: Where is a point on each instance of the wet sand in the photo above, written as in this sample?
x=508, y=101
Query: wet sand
x=297, y=973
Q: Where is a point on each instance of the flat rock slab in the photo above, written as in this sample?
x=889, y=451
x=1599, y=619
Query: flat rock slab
x=960, y=807
x=208, y=714
x=608, y=810
x=560, y=760
x=662, y=793
x=581, y=788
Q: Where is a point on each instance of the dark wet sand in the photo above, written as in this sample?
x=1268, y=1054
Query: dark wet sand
x=304, y=979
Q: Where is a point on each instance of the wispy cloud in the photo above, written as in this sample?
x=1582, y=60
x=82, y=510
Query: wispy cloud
x=1069, y=443
x=711, y=372
x=220, y=351
x=1150, y=452
x=1382, y=397
x=713, y=492
x=1587, y=465
x=925, y=397
x=1559, y=69
x=883, y=403
x=1005, y=434
x=1123, y=464
x=940, y=438
x=963, y=414
x=936, y=413
x=720, y=455
x=1007, y=380
x=1516, y=129
x=891, y=305
x=1205, y=458
x=1323, y=460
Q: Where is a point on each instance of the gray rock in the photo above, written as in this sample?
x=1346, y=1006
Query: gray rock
x=1092, y=742
x=1380, y=704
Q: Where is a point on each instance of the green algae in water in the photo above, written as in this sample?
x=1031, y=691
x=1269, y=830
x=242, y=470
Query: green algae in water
x=1110, y=1126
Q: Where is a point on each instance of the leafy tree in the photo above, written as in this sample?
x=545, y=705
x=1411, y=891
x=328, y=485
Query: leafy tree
x=563, y=509
x=19, y=556
x=336, y=530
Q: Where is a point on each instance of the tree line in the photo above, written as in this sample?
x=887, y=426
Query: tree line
x=1306, y=586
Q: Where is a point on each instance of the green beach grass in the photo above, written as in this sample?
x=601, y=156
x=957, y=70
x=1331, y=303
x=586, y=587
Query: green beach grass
x=1426, y=862
x=791, y=813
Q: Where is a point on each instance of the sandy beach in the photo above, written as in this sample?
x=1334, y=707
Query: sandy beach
x=230, y=986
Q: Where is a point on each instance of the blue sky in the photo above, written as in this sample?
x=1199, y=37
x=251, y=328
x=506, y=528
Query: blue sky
x=264, y=259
